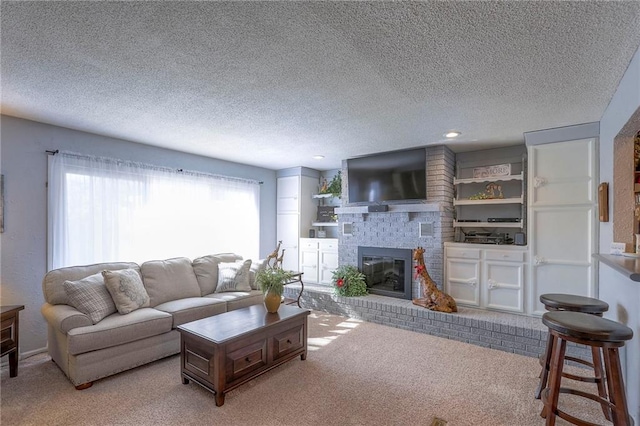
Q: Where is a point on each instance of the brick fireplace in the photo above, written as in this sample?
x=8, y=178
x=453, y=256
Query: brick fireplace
x=405, y=226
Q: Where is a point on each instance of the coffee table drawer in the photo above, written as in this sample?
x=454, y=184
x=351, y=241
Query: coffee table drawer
x=288, y=341
x=246, y=360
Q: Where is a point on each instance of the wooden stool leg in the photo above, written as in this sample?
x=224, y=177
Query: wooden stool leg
x=544, y=374
x=600, y=379
x=557, y=363
x=615, y=384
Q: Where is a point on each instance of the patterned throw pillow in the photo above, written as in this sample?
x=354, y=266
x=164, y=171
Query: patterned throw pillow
x=91, y=297
x=126, y=289
x=233, y=276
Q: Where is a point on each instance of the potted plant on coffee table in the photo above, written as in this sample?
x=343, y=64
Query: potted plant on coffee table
x=271, y=282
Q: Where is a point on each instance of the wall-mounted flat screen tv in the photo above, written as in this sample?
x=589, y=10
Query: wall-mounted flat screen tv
x=388, y=176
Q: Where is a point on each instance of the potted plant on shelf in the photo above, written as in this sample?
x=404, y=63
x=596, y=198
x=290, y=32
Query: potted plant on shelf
x=349, y=281
x=271, y=282
x=334, y=187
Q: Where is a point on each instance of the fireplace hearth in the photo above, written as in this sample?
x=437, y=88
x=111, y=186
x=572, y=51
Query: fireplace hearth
x=387, y=270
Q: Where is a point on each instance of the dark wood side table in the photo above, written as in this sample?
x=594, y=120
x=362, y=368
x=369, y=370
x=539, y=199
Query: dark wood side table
x=296, y=277
x=10, y=331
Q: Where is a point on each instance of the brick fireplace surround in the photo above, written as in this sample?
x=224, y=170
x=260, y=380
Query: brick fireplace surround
x=399, y=228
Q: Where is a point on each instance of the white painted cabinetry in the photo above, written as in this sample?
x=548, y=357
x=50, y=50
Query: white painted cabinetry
x=318, y=259
x=562, y=219
x=295, y=212
x=491, y=278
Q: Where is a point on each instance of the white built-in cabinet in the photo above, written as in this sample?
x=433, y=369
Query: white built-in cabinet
x=318, y=259
x=295, y=212
x=490, y=278
x=562, y=212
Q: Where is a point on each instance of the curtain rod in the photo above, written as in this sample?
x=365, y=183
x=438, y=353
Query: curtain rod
x=260, y=182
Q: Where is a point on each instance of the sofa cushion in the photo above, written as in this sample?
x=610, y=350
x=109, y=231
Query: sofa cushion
x=206, y=270
x=126, y=289
x=91, y=297
x=233, y=276
x=192, y=308
x=239, y=299
x=119, y=329
x=170, y=279
x=53, y=281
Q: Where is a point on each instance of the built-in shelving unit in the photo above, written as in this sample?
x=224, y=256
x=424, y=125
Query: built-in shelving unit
x=490, y=195
x=323, y=198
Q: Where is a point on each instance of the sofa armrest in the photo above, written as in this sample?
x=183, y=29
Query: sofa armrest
x=64, y=317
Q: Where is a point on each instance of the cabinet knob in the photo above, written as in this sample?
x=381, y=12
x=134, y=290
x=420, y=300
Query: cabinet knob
x=492, y=284
x=539, y=260
x=247, y=359
x=471, y=282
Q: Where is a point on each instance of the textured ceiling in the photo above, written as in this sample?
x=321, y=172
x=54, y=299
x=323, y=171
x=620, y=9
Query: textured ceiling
x=273, y=83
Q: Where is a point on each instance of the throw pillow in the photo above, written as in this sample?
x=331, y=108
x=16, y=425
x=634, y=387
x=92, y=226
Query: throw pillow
x=233, y=276
x=91, y=297
x=126, y=289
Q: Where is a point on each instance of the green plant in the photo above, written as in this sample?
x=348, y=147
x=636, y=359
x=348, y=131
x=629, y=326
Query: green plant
x=272, y=280
x=335, y=186
x=348, y=281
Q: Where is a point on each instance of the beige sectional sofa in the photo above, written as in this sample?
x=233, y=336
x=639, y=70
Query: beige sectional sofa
x=89, y=343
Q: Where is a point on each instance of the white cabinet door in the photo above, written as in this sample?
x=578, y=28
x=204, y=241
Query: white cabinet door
x=562, y=220
x=463, y=280
x=287, y=231
x=309, y=264
x=328, y=262
x=503, y=285
x=562, y=173
x=561, y=252
x=288, y=194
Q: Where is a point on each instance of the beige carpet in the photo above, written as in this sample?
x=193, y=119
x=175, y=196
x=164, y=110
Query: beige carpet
x=356, y=373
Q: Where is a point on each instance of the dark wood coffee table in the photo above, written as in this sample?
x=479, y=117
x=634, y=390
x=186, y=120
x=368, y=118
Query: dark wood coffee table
x=227, y=350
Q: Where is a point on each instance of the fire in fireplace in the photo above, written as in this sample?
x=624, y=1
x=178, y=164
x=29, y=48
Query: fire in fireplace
x=387, y=270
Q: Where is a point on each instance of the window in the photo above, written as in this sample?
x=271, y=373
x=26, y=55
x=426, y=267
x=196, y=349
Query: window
x=106, y=210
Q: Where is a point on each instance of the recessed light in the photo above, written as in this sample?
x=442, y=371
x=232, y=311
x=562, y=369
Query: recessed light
x=318, y=157
x=452, y=134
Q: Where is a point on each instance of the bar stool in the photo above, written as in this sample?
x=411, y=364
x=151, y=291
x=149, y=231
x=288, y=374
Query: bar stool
x=600, y=333
x=574, y=303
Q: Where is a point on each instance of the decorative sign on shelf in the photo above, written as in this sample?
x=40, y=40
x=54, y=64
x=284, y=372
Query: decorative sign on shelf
x=326, y=213
x=492, y=171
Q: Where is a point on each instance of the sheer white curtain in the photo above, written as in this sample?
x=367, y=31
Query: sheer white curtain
x=103, y=209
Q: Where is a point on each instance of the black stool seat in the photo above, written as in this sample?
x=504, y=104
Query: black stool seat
x=572, y=302
x=586, y=327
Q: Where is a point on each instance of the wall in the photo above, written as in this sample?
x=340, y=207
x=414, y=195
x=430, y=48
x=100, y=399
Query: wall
x=24, y=165
x=622, y=294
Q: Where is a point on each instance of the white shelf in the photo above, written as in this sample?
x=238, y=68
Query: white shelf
x=324, y=223
x=457, y=224
x=322, y=196
x=488, y=201
x=487, y=179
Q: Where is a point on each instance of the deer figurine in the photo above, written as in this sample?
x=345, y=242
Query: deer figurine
x=433, y=299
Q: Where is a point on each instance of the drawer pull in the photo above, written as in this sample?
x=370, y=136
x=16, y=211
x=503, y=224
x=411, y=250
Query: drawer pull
x=492, y=284
x=247, y=359
x=471, y=282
